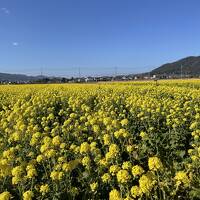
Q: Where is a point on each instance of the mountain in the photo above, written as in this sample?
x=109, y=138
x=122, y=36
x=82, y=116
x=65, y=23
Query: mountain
x=190, y=66
x=18, y=77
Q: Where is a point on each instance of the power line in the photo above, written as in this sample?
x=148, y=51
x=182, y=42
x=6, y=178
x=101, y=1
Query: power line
x=77, y=71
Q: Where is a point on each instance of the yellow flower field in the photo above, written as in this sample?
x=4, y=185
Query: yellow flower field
x=117, y=141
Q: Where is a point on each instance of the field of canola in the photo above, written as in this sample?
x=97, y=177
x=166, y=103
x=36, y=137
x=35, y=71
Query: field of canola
x=117, y=141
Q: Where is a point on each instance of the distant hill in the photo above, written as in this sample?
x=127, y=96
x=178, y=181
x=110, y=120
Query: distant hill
x=18, y=77
x=190, y=66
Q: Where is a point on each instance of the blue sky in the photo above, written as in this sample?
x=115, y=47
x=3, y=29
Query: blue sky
x=61, y=36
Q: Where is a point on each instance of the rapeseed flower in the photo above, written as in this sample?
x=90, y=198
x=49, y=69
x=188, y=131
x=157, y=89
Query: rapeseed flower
x=114, y=195
x=28, y=195
x=137, y=170
x=5, y=196
x=44, y=189
x=123, y=176
x=181, y=177
x=155, y=163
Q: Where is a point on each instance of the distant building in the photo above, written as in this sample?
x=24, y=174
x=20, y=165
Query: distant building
x=146, y=77
x=89, y=79
x=124, y=78
x=154, y=76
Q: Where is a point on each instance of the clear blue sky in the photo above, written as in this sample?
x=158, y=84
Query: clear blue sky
x=60, y=36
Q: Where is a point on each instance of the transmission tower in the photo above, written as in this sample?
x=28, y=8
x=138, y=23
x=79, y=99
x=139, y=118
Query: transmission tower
x=181, y=71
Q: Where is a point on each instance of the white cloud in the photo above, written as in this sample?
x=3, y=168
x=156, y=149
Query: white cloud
x=15, y=44
x=5, y=11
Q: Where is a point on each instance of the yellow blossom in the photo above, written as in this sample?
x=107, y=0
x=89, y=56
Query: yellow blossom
x=44, y=189
x=28, y=195
x=146, y=183
x=135, y=191
x=126, y=165
x=54, y=175
x=107, y=139
x=106, y=178
x=137, y=170
x=84, y=148
x=114, y=169
x=124, y=122
x=40, y=158
x=123, y=176
x=94, y=186
x=31, y=171
x=181, y=177
x=113, y=149
x=5, y=196
x=155, y=163
x=56, y=141
x=114, y=195
x=86, y=161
